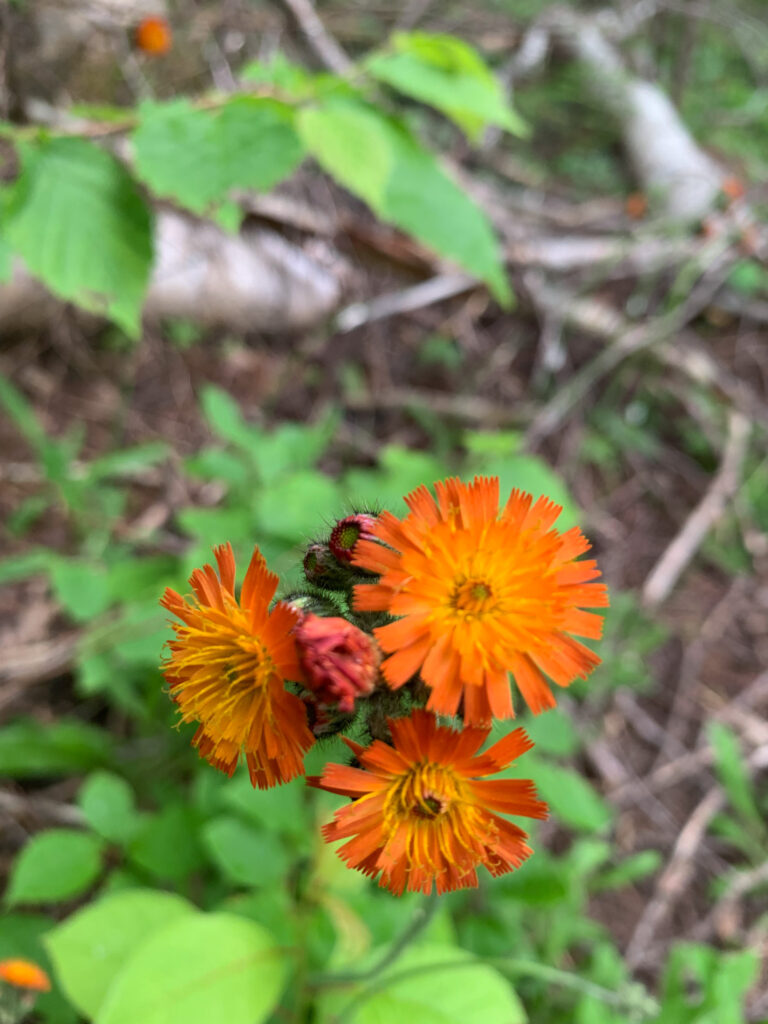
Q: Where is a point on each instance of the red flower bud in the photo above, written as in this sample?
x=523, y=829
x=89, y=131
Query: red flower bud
x=340, y=661
x=347, y=532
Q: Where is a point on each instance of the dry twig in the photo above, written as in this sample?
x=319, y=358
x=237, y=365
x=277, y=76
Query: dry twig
x=667, y=571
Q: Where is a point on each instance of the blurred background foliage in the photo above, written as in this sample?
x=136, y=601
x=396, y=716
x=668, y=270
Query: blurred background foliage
x=154, y=889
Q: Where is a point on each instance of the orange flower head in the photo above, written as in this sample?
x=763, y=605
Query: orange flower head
x=479, y=594
x=153, y=36
x=423, y=811
x=24, y=974
x=227, y=667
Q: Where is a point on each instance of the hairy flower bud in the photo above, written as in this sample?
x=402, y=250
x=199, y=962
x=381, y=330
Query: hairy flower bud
x=347, y=532
x=340, y=661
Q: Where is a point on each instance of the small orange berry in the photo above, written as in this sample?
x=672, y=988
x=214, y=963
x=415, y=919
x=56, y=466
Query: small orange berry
x=153, y=36
x=23, y=974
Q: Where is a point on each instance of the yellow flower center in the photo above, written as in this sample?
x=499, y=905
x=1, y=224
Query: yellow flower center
x=425, y=792
x=472, y=596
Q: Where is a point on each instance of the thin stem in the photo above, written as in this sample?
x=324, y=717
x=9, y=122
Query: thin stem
x=418, y=923
x=633, y=999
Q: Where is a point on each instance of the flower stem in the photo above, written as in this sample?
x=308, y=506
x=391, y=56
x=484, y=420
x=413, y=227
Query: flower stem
x=418, y=923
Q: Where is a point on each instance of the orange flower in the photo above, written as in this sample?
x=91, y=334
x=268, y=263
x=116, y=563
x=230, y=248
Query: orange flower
x=479, y=595
x=422, y=811
x=153, y=36
x=227, y=667
x=24, y=974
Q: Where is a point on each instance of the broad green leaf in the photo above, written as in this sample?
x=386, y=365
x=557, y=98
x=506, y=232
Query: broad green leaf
x=90, y=948
x=78, y=221
x=244, y=854
x=378, y=160
x=430, y=984
x=54, y=865
x=81, y=588
x=225, y=418
x=29, y=749
x=282, y=809
x=553, y=733
x=166, y=844
x=571, y=799
x=732, y=771
x=198, y=156
x=296, y=506
x=107, y=802
x=201, y=969
x=448, y=74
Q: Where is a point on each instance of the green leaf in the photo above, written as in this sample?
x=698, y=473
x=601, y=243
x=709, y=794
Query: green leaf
x=225, y=418
x=166, y=844
x=201, y=969
x=81, y=588
x=295, y=506
x=531, y=474
x=54, y=865
x=76, y=218
x=732, y=772
x=570, y=797
x=128, y=461
x=282, y=809
x=244, y=854
x=553, y=733
x=198, y=156
x=430, y=984
x=631, y=869
x=107, y=802
x=29, y=749
x=91, y=947
x=378, y=160
x=448, y=74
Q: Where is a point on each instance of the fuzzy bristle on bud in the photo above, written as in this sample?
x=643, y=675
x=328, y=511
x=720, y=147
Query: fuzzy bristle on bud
x=340, y=661
x=347, y=532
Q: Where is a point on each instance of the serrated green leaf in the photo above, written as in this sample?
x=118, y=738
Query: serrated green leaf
x=198, y=156
x=448, y=74
x=378, y=160
x=201, y=969
x=90, y=948
x=79, y=223
x=54, y=865
x=107, y=802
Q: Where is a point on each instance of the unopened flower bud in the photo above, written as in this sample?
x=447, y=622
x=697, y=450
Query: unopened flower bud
x=340, y=661
x=347, y=532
